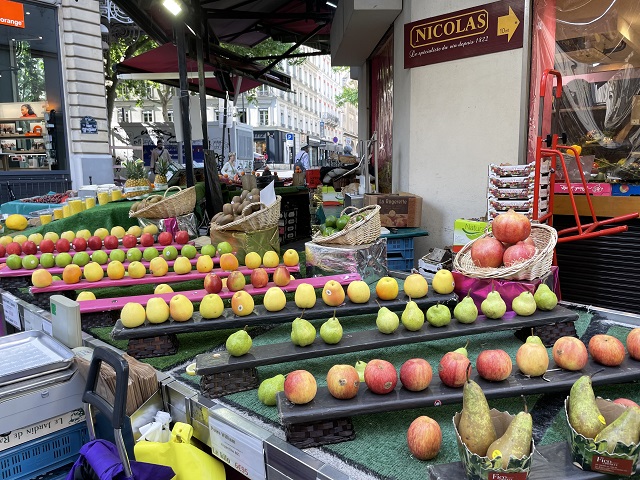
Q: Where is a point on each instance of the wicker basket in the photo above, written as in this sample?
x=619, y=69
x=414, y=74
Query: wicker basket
x=544, y=237
x=357, y=232
x=266, y=217
x=174, y=205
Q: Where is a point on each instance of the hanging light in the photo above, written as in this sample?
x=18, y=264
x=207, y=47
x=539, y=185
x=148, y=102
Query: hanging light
x=173, y=6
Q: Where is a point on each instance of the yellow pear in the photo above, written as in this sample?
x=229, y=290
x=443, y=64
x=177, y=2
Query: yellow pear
x=136, y=270
x=253, y=260
x=181, y=308
x=305, y=296
x=151, y=228
x=211, y=306
x=157, y=310
x=182, y=265
x=204, y=264
x=158, y=267
x=132, y=315
x=358, y=291
x=274, y=299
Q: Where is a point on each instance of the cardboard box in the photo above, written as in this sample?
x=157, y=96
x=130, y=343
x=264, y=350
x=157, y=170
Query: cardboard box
x=465, y=231
x=597, y=189
x=397, y=210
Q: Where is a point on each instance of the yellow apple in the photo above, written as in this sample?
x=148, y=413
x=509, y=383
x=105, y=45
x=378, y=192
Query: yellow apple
x=53, y=236
x=136, y=270
x=204, y=264
x=291, y=258
x=274, y=299
x=85, y=295
x=6, y=240
x=158, y=266
x=115, y=270
x=35, y=238
x=333, y=293
x=118, y=231
x=20, y=238
x=134, y=230
x=93, y=272
x=416, y=286
x=270, y=259
x=101, y=232
x=181, y=308
x=358, y=291
x=151, y=228
x=211, y=306
x=86, y=234
x=305, y=296
x=253, y=260
x=163, y=288
x=157, y=310
x=443, y=281
x=242, y=303
x=182, y=265
x=387, y=288
x=132, y=315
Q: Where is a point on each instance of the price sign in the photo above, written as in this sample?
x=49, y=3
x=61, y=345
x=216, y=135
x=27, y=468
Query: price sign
x=237, y=449
x=11, y=313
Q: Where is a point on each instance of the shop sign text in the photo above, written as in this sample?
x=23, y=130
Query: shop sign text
x=11, y=14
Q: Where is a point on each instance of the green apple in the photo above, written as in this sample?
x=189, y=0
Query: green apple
x=30, y=262
x=81, y=259
x=224, y=247
x=63, y=259
x=14, y=262
x=117, y=254
x=188, y=251
x=47, y=260
x=170, y=252
x=208, y=250
x=150, y=253
x=100, y=257
x=134, y=254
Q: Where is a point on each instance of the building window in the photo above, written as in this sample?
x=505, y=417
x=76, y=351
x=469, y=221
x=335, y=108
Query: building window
x=282, y=119
x=124, y=115
x=289, y=121
x=263, y=116
x=170, y=116
x=147, y=116
x=241, y=115
x=149, y=92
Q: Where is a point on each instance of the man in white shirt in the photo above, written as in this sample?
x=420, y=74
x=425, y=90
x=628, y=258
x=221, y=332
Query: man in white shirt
x=302, y=158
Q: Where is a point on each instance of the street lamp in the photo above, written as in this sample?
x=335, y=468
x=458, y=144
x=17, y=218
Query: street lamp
x=173, y=6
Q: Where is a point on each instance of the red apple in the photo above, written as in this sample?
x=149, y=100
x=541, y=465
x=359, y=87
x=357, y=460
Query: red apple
x=416, y=374
x=607, y=350
x=47, y=246
x=129, y=241
x=212, y=283
x=110, y=242
x=626, y=402
x=259, y=277
x=424, y=438
x=94, y=243
x=380, y=376
x=633, y=341
x=146, y=239
x=494, y=365
x=165, y=238
x=343, y=381
x=511, y=227
x=29, y=248
x=3, y=250
x=79, y=244
x=182, y=237
x=13, y=248
x=570, y=353
x=518, y=253
x=487, y=252
x=452, y=369
x=281, y=276
x=63, y=245
x=236, y=281
x=300, y=387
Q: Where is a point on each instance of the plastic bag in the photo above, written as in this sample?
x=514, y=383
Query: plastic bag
x=187, y=460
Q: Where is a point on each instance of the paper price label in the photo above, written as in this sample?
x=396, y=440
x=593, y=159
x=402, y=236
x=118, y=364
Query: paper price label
x=237, y=449
x=11, y=312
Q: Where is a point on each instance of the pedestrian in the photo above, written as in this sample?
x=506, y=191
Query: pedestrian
x=229, y=168
x=302, y=158
x=158, y=153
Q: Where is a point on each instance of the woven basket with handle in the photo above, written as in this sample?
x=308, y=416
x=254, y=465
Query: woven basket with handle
x=357, y=232
x=174, y=205
x=545, y=239
x=266, y=217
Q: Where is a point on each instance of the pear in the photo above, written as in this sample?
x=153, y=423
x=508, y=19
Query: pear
x=412, y=316
x=625, y=429
x=303, y=333
x=331, y=330
x=387, y=321
x=463, y=350
x=493, y=306
x=545, y=298
x=360, y=366
x=238, y=343
x=524, y=304
x=516, y=441
x=584, y=415
x=475, y=427
x=269, y=388
x=466, y=310
x=438, y=315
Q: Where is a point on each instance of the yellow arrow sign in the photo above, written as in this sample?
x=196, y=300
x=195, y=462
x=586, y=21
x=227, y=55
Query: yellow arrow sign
x=508, y=24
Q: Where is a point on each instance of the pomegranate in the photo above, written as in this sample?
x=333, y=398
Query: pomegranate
x=487, y=252
x=518, y=253
x=511, y=227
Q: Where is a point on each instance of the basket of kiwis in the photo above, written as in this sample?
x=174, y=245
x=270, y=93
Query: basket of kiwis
x=246, y=213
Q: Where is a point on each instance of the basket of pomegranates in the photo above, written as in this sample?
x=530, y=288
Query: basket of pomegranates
x=514, y=249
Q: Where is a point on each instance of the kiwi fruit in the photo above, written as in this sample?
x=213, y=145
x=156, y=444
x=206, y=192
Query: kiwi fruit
x=135, y=206
x=237, y=209
x=216, y=216
x=236, y=199
x=227, y=209
x=244, y=194
x=255, y=191
x=224, y=219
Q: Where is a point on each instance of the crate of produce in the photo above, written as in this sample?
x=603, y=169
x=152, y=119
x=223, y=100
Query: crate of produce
x=400, y=254
x=43, y=454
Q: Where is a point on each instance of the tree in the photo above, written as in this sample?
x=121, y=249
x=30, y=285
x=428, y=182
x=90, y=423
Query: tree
x=165, y=93
x=30, y=73
x=349, y=94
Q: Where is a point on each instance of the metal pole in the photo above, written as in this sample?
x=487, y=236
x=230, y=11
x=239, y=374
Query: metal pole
x=184, y=103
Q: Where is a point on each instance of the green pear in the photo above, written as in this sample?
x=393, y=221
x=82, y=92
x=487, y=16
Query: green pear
x=303, y=333
x=412, y=317
x=387, y=321
x=584, y=414
x=238, y=343
x=438, y=315
x=466, y=310
x=463, y=350
x=625, y=429
x=545, y=298
x=515, y=442
x=331, y=330
x=475, y=427
x=269, y=388
x=360, y=366
x=493, y=306
x=524, y=304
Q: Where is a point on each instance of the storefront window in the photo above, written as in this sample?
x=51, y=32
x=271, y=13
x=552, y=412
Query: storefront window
x=595, y=45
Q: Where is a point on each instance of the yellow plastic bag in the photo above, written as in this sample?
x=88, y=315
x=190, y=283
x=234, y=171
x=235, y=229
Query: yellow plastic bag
x=187, y=460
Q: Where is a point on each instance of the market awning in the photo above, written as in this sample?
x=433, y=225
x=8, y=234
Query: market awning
x=164, y=59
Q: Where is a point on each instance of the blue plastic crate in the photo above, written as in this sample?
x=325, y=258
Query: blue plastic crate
x=43, y=455
x=401, y=245
x=400, y=254
x=400, y=264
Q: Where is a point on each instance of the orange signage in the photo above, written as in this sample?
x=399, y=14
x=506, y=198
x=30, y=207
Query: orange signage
x=11, y=14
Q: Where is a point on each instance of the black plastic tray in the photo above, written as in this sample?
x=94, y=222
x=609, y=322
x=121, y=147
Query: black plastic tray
x=260, y=316
x=206, y=363
x=324, y=406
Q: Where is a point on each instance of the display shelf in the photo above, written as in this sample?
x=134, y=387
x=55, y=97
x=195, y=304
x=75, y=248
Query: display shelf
x=24, y=152
x=261, y=316
x=20, y=136
x=207, y=363
x=22, y=119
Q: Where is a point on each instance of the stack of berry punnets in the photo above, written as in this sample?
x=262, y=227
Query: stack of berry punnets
x=512, y=187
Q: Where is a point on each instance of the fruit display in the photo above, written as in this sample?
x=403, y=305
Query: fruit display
x=16, y=222
x=380, y=376
x=532, y=357
x=331, y=331
x=237, y=208
x=238, y=343
x=475, y=427
x=333, y=224
x=424, y=438
x=269, y=388
x=136, y=184
x=455, y=368
x=343, y=381
x=300, y=387
x=303, y=332
x=493, y=306
x=49, y=198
